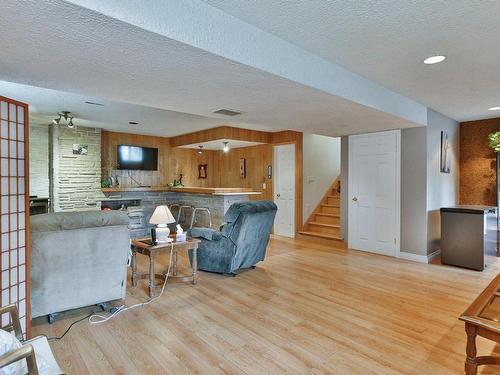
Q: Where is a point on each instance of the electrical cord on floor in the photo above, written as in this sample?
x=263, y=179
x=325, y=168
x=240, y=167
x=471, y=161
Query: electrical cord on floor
x=122, y=308
x=71, y=325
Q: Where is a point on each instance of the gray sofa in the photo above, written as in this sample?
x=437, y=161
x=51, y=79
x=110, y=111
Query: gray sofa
x=241, y=243
x=77, y=259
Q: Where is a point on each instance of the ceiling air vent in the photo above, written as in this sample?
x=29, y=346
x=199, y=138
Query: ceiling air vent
x=227, y=112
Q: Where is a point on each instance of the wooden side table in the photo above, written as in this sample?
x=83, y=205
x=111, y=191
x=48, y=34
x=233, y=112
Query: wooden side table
x=144, y=246
x=482, y=318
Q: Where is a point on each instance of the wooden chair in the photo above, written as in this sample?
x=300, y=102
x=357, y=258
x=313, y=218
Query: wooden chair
x=29, y=349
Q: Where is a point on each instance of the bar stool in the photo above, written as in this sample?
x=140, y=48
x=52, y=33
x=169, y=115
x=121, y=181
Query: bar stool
x=182, y=209
x=174, y=207
x=199, y=210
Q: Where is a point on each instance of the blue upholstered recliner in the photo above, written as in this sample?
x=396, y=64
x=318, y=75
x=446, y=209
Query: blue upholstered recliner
x=241, y=243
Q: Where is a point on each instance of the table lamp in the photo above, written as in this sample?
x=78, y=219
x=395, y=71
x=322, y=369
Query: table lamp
x=161, y=217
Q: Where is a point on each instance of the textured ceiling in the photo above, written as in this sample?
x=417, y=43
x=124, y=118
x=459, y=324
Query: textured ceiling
x=114, y=116
x=387, y=40
x=59, y=45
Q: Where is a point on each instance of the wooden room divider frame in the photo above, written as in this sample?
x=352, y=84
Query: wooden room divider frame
x=14, y=210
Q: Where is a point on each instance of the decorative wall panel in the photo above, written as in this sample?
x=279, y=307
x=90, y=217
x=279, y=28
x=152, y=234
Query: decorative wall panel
x=14, y=208
x=477, y=162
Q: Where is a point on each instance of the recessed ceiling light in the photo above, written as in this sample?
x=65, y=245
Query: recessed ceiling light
x=494, y=109
x=434, y=59
x=133, y=123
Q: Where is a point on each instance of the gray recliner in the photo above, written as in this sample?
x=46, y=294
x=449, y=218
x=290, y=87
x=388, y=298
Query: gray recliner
x=241, y=243
x=77, y=259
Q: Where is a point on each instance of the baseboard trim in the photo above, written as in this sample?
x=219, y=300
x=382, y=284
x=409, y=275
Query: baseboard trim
x=419, y=258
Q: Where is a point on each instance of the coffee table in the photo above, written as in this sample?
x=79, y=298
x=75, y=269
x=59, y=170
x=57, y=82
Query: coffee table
x=145, y=246
x=482, y=318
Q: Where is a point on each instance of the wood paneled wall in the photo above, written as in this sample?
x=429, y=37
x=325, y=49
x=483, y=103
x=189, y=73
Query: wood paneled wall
x=477, y=162
x=221, y=132
x=171, y=161
x=222, y=170
x=257, y=160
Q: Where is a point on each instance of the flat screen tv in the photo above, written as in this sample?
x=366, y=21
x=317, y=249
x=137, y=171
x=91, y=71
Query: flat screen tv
x=137, y=158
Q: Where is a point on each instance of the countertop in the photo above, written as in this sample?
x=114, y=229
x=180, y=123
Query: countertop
x=185, y=189
x=469, y=209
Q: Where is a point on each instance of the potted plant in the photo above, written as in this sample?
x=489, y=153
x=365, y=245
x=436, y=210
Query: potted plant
x=494, y=141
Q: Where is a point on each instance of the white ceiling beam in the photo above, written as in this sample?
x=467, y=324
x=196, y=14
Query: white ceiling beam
x=199, y=25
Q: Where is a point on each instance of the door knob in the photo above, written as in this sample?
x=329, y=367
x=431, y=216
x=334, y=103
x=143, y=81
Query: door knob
x=278, y=195
x=355, y=199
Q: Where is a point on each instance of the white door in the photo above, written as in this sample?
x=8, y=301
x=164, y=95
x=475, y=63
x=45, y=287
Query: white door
x=284, y=190
x=374, y=192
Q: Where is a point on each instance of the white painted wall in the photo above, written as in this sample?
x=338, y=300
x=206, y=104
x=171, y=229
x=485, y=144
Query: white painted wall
x=442, y=188
x=424, y=189
x=321, y=162
x=39, y=160
x=414, y=191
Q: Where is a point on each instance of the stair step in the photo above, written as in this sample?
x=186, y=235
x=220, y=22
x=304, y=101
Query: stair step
x=333, y=209
x=326, y=214
x=321, y=235
x=326, y=218
x=332, y=199
x=331, y=229
x=324, y=224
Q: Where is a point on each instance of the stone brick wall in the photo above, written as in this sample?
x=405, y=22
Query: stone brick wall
x=39, y=160
x=76, y=178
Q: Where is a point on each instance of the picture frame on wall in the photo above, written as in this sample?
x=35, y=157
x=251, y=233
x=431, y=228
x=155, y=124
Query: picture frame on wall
x=445, y=157
x=79, y=149
x=202, y=171
x=243, y=168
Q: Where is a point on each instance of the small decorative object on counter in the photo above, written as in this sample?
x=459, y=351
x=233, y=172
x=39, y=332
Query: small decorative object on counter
x=107, y=182
x=180, y=236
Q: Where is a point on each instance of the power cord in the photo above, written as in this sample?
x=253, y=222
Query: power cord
x=71, y=325
x=122, y=308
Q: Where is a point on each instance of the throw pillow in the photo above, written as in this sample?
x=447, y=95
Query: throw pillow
x=9, y=342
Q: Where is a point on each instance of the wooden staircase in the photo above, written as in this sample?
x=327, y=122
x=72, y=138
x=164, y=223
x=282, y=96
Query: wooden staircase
x=324, y=222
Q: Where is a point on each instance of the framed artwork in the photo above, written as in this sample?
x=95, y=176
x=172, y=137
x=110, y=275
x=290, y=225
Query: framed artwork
x=79, y=149
x=202, y=171
x=445, y=157
x=243, y=168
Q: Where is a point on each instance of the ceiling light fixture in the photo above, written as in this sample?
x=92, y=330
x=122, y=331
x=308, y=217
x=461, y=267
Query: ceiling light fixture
x=68, y=118
x=226, y=147
x=200, y=151
x=494, y=109
x=434, y=59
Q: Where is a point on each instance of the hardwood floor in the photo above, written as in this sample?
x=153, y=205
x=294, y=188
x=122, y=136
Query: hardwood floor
x=307, y=309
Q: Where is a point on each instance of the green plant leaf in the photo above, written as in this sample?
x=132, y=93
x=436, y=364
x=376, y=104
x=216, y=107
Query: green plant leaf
x=494, y=141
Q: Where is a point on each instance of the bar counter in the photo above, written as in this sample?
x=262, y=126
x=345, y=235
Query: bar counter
x=217, y=200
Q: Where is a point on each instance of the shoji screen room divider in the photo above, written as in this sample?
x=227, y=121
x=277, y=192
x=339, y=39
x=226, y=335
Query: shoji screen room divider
x=14, y=209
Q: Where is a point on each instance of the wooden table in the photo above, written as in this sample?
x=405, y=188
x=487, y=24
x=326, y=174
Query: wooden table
x=482, y=318
x=145, y=247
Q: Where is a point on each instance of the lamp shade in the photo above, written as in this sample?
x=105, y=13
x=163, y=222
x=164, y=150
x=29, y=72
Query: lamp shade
x=162, y=215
